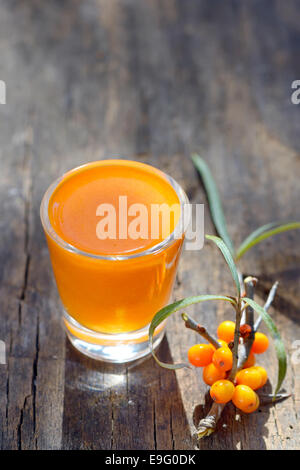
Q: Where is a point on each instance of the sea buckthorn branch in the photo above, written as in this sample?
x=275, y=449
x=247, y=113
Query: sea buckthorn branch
x=193, y=325
x=208, y=424
x=267, y=305
x=240, y=354
x=244, y=312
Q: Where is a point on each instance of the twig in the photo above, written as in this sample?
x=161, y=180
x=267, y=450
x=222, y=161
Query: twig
x=246, y=280
x=250, y=283
x=267, y=305
x=245, y=348
x=193, y=325
x=236, y=340
x=243, y=293
x=241, y=279
x=208, y=424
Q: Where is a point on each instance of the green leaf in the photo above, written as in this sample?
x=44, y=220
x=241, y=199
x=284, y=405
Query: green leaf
x=264, y=232
x=228, y=258
x=214, y=200
x=162, y=314
x=279, y=346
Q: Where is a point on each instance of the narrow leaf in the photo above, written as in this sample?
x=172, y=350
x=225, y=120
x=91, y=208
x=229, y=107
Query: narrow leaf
x=214, y=200
x=264, y=232
x=165, y=312
x=279, y=346
x=228, y=258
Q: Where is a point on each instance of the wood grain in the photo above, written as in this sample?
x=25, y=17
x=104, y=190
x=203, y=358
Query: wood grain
x=153, y=81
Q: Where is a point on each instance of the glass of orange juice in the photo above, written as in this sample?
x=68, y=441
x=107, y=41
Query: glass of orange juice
x=115, y=230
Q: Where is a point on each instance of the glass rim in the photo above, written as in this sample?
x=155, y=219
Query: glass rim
x=178, y=232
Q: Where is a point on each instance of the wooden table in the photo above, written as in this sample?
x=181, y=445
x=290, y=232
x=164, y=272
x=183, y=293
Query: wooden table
x=153, y=81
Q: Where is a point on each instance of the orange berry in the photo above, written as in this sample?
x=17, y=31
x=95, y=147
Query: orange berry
x=257, y=403
x=263, y=373
x=250, y=361
x=200, y=355
x=211, y=374
x=226, y=331
x=250, y=376
x=245, y=330
x=223, y=343
x=260, y=343
x=245, y=398
x=222, y=358
x=222, y=391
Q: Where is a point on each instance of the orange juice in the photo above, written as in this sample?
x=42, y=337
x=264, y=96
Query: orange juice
x=112, y=275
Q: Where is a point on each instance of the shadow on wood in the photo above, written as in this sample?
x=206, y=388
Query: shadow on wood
x=282, y=303
x=233, y=426
x=132, y=406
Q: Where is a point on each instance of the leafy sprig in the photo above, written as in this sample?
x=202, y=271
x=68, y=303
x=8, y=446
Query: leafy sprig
x=240, y=302
x=253, y=239
x=165, y=312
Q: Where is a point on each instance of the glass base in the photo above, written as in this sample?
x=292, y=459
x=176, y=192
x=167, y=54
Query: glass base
x=117, y=348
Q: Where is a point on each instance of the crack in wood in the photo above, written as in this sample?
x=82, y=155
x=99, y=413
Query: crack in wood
x=154, y=426
x=293, y=389
x=171, y=429
x=24, y=290
x=19, y=428
x=7, y=394
x=112, y=422
x=35, y=374
x=278, y=429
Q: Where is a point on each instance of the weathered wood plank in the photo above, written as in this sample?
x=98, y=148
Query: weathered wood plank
x=152, y=81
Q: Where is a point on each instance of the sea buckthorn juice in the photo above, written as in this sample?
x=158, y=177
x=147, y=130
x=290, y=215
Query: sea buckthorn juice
x=114, y=230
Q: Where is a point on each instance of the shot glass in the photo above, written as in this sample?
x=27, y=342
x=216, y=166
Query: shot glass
x=111, y=289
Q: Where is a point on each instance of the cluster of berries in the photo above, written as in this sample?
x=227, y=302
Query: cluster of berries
x=217, y=363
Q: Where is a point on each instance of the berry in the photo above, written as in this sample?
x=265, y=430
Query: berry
x=222, y=391
x=223, y=343
x=250, y=361
x=245, y=330
x=226, y=331
x=263, y=373
x=245, y=398
x=200, y=355
x=211, y=374
x=222, y=358
x=251, y=377
x=260, y=343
